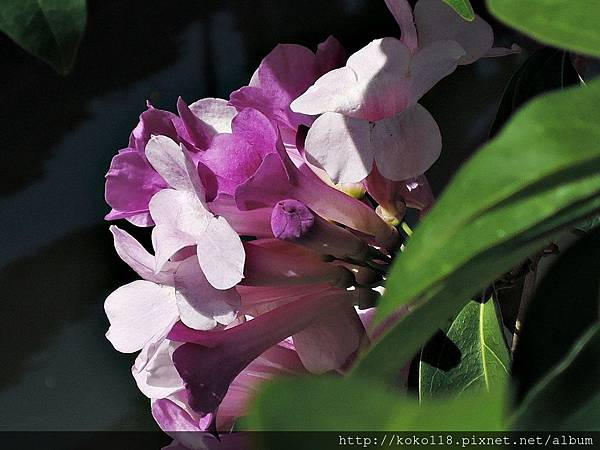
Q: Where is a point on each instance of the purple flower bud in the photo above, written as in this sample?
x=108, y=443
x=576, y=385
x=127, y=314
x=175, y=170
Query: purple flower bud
x=291, y=219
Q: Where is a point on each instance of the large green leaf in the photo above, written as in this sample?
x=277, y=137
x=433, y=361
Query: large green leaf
x=546, y=70
x=541, y=174
x=568, y=398
x=328, y=403
x=477, y=335
x=563, y=23
x=49, y=29
x=463, y=8
x=566, y=303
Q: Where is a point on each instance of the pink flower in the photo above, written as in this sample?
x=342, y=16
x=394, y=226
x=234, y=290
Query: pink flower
x=369, y=111
x=183, y=220
x=142, y=311
x=131, y=181
x=283, y=75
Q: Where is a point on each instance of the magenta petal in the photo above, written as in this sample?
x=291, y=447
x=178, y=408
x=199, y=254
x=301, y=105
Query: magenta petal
x=208, y=367
x=283, y=75
x=330, y=55
x=152, y=122
x=194, y=130
x=130, y=184
x=235, y=157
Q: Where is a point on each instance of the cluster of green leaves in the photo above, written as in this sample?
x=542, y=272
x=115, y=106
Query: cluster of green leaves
x=49, y=29
x=539, y=176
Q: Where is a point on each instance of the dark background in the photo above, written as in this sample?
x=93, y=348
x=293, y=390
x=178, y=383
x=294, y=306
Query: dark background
x=58, y=135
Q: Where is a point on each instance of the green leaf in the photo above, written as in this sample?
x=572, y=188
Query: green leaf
x=589, y=225
x=566, y=303
x=463, y=8
x=540, y=175
x=328, y=403
x=476, y=337
x=568, y=398
x=546, y=70
x=49, y=29
x=568, y=24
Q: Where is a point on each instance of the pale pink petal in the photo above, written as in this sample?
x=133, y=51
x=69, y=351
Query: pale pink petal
x=337, y=90
x=215, y=112
x=201, y=306
x=407, y=144
x=341, y=146
x=138, y=258
x=436, y=21
x=402, y=12
x=371, y=86
x=430, y=64
x=172, y=163
x=154, y=371
x=181, y=220
x=139, y=220
x=137, y=312
x=328, y=343
x=221, y=254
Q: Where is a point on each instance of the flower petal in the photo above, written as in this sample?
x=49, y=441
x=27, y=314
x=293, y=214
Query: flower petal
x=402, y=12
x=154, y=372
x=373, y=84
x=407, y=144
x=436, y=21
x=130, y=184
x=330, y=55
x=137, y=312
x=172, y=163
x=430, y=64
x=221, y=254
x=215, y=112
x=209, y=365
x=200, y=305
x=192, y=128
x=328, y=343
x=341, y=146
x=181, y=220
x=136, y=257
x=152, y=121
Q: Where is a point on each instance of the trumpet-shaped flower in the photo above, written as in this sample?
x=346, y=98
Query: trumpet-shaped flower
x=368, y=109
x=182, y=218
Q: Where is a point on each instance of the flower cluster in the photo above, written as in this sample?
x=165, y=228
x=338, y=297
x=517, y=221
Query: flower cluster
x=274, y=214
